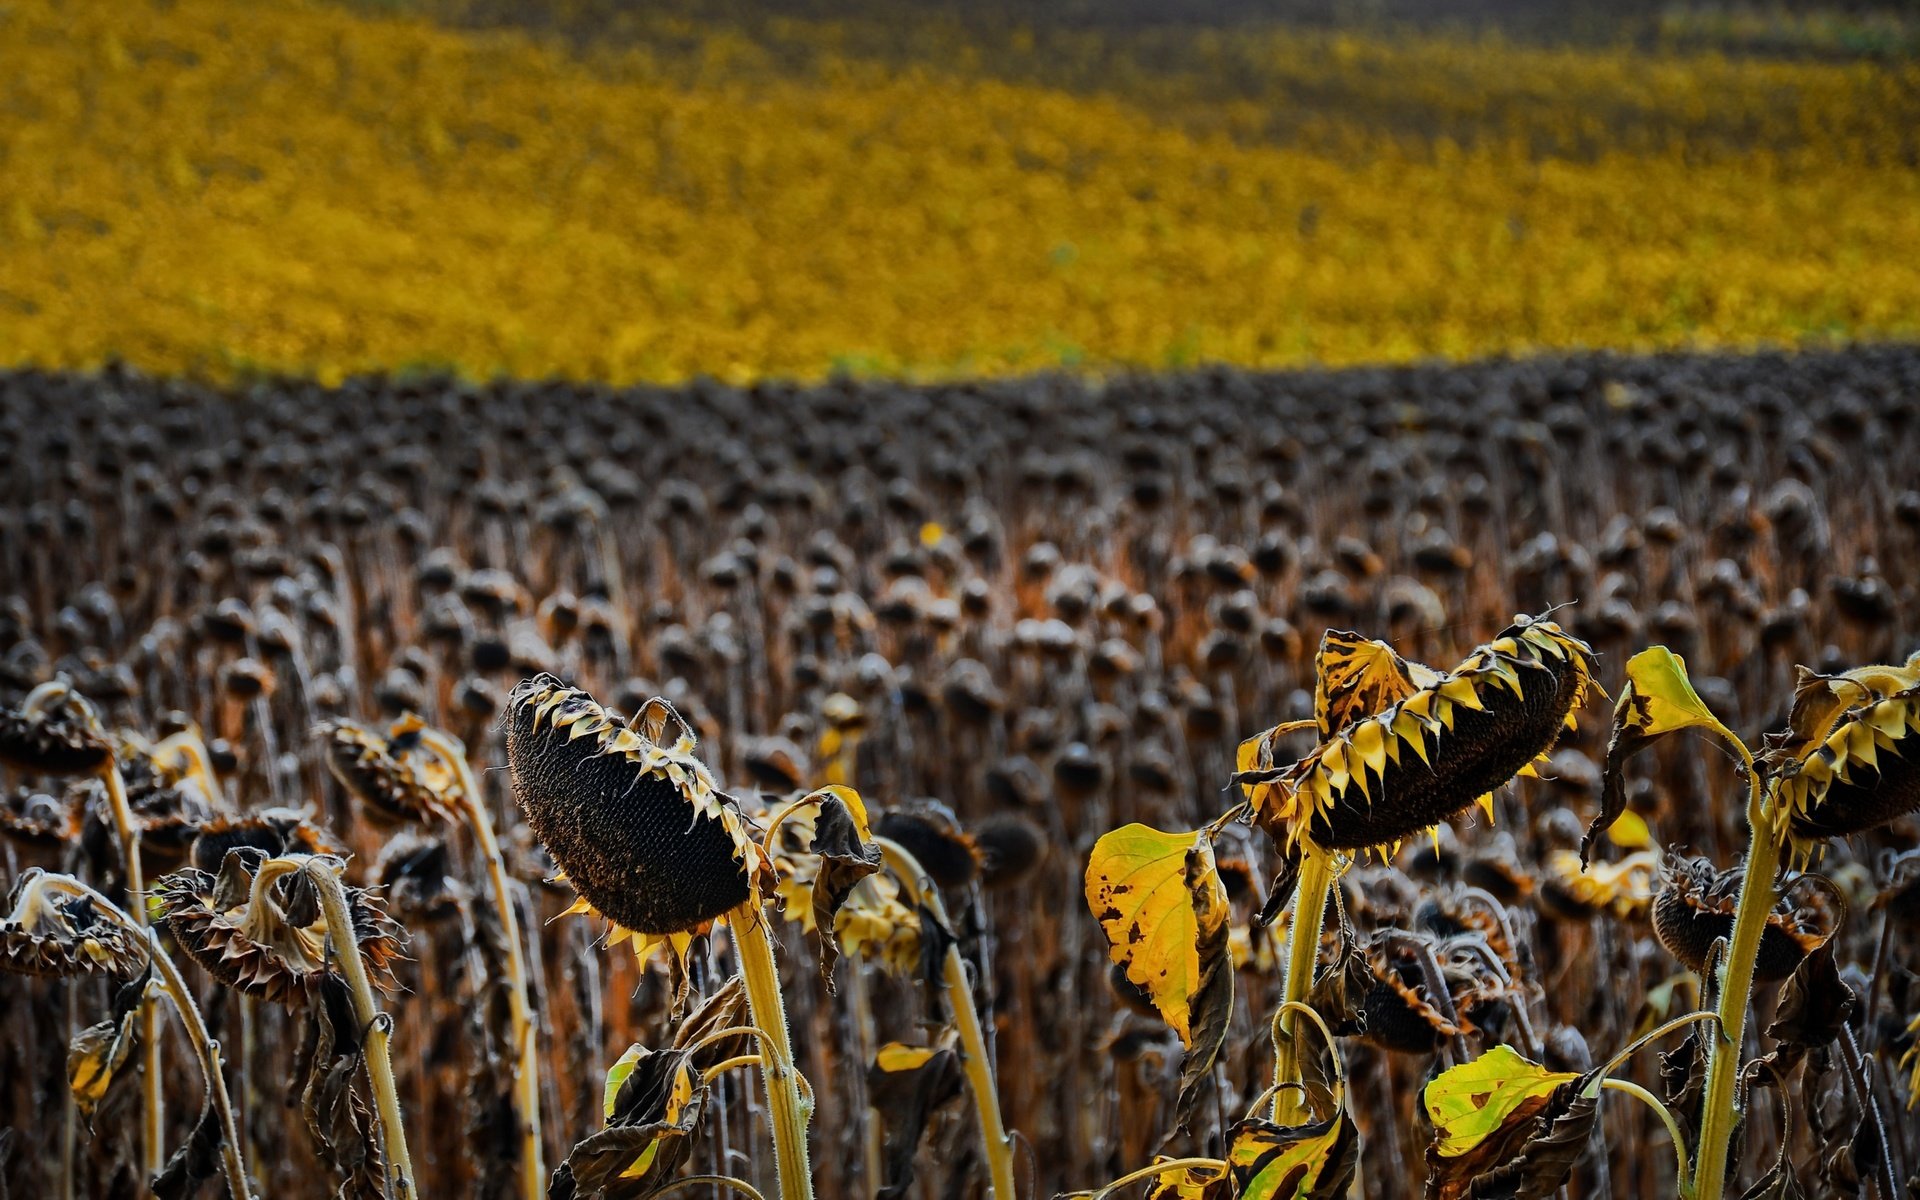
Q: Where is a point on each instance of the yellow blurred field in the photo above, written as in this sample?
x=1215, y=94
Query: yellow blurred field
x=218, y=186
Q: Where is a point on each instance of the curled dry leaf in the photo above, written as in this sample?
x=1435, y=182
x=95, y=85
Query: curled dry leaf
x=98, y=1052
x=337, y=1115
x=844, y=845
x=1265, y=1161
x=1505, y=1126
x=907, y=1084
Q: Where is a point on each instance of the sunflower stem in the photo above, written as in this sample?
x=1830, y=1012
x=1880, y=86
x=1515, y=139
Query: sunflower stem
x=1153, y=1172
x=232, y=1160
x=966, y=1021
x=753, y=941
x=526, y=1061
x=152, y=1085
x=1303, y=952
x=1647, y=1098
x=325, y=875
x=1758, y=895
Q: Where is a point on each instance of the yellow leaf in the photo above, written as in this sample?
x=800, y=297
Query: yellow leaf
x=1663, y=697
x=1630, y=831
x=896, y=1056
x=1149, y=890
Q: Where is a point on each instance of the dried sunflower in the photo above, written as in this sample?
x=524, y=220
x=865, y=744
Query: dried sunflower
x=37, y=818
x=1571, y=892
x=1696, y=907
x=273, y=831
x=636, y=823
x=392, y=784
x=53, y=732
x=1850, y=759
x=260, y=930
x=63, y=936
x=1404, y=747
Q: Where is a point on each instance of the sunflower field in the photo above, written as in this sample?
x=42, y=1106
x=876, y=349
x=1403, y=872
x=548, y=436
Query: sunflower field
x=225, y=188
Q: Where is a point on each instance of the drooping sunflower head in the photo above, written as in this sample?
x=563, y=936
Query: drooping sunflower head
x=272, y=831
x=53, y=733
x=631, y=816
x=1404, y=747
x=1850, y=759
x=267, y=936
x=392, y=782
x=63, y=935
x=1696, y=906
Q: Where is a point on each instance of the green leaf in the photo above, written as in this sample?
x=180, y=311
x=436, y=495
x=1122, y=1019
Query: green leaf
x=616, y=1075
x=1474, y=1100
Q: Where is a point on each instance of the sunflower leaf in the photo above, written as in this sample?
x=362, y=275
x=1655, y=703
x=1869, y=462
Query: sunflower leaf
x=1506, y=1126
x=1159, y=898
x=1471, y=1102
x=1658, y=700
x=847, y=855
x=1316, y=1161
x=907, y=1083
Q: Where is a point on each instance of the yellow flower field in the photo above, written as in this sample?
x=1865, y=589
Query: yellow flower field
x=221, y=186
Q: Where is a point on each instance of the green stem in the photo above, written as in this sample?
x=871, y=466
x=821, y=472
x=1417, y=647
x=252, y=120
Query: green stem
x=1666, y=1118
x=966, y=1021
x=325, y=876
x=1758, y=895
x=1303, y=952
x=526, y=1059
x=753, y=941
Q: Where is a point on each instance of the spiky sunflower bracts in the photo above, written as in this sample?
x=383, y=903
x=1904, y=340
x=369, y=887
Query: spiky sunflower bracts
x=1696, y=908
x=1851, y=759
x=391, y=783
x=269, y=939
x=1438, y=748
x=635, y=822
x=64, y=936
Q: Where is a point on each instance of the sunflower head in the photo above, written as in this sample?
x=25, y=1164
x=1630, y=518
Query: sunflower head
x=1404, y=747
x=267, y=937
x=931, y=833
x=393, y=783
x=59, y=736
x=1696, y=906
x=36, y=818
x=1850, y=758
x=63, y=935
x=631, y=816
x=272, y=831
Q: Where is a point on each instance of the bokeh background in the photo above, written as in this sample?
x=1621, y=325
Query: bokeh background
x=600, y=190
